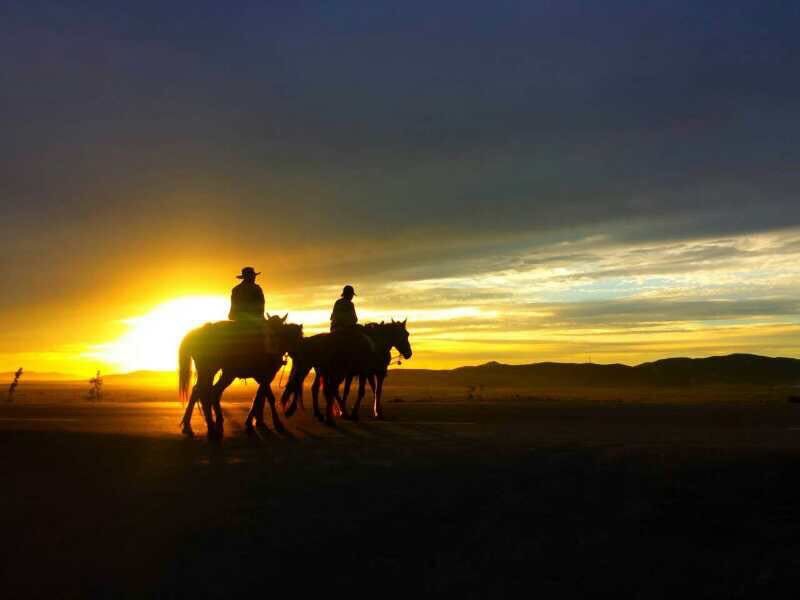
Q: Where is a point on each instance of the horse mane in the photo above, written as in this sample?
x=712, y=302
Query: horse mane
x=382, y=325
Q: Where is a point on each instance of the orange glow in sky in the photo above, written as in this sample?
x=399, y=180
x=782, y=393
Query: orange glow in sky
x=626, y=304
x=151, y=341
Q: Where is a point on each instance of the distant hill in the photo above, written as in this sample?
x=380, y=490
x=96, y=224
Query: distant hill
x=734, y=369
x=143, y=378
x=133, y=378
x=37, y=376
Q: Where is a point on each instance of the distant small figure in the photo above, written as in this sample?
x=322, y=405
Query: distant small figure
x=13, y=387
x=247, y=298
x=344, y=315
x=96, y=387
x=475, y=392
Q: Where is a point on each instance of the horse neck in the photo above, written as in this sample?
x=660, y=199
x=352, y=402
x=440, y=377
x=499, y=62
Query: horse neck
x=282, y=335
x=383, y=343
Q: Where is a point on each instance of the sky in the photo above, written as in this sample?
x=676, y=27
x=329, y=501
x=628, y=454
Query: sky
x=525, y=181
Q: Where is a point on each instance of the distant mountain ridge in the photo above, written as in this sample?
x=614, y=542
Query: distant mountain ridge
x=38, y=376
x=733, y=369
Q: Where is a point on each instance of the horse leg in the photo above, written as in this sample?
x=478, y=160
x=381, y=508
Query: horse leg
x=216, y=400
x=362, y=389
x=298, y=397
x=362, y=380
x=331, y=391
x=297, y=400
x=293, y=390
x=186, y=422
x=205, y=380
x=276, y=420
x=299, y=380
x=315, y=394
x=289, y=408
x=377, y=410
x=343, y=400
x=256, y=410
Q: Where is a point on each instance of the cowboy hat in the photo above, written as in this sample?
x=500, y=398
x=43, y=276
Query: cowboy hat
x=248, y=271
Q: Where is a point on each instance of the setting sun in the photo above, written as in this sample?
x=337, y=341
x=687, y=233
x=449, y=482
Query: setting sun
x=152, y=340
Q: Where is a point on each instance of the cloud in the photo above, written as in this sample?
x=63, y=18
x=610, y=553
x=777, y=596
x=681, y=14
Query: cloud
x=512, y=159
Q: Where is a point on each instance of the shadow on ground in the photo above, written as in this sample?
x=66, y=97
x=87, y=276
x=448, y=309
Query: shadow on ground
x=420, y=505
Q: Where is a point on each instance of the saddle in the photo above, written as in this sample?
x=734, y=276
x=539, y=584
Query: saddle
x=352, y=336
x=254, y=336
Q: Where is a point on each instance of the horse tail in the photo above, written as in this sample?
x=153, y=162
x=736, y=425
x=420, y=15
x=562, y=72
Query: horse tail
x=185, y=367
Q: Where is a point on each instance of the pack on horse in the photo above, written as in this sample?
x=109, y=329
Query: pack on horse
x=336, y=357
x=237, y=348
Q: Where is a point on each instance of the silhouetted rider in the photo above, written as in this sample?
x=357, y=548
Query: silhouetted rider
x=247, y=298
x=247, y=307
x=344, y=316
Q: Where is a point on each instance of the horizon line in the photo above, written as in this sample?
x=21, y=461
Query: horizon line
x=68, y=376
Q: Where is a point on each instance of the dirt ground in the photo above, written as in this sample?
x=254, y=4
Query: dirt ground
x=508, y=496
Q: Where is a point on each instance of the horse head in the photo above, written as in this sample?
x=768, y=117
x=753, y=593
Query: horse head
x=291, y=335
x=399, y=338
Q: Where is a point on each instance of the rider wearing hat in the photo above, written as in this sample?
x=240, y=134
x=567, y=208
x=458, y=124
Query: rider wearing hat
x=247, y=308
x=247, y=298
x=344, y=316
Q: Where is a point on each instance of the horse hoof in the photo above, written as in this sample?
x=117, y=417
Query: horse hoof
x=187, y=431
x=279, y=428
x=288, y=412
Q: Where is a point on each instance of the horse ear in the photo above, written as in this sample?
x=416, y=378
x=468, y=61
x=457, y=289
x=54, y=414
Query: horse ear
x=283, y=320
x=382, y=322
x=392, y=320
x=269, y=316
x=404, y=322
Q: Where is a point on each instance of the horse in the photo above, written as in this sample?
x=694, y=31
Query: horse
x=383, y=357
x=238, y=349
x=336, y=357
x=384, y=339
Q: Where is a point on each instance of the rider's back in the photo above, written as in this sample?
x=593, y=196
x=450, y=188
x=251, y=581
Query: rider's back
x=343, y=315
x=247, y=302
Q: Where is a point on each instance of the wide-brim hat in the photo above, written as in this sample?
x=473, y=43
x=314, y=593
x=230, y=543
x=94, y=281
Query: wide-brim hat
x=248, y=271
x=348, y=289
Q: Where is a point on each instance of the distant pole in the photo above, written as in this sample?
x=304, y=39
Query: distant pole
x=96, y=387
x=13, y=387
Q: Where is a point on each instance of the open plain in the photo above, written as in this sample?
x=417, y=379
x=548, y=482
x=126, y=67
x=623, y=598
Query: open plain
x=641, y=496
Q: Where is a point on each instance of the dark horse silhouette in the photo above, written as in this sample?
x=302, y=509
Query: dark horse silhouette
x=238, y=350
x=337, y=356
x=380, y=370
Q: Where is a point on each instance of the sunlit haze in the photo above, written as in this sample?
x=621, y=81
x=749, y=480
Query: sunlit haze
x=561, y=181
x=152, y=339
